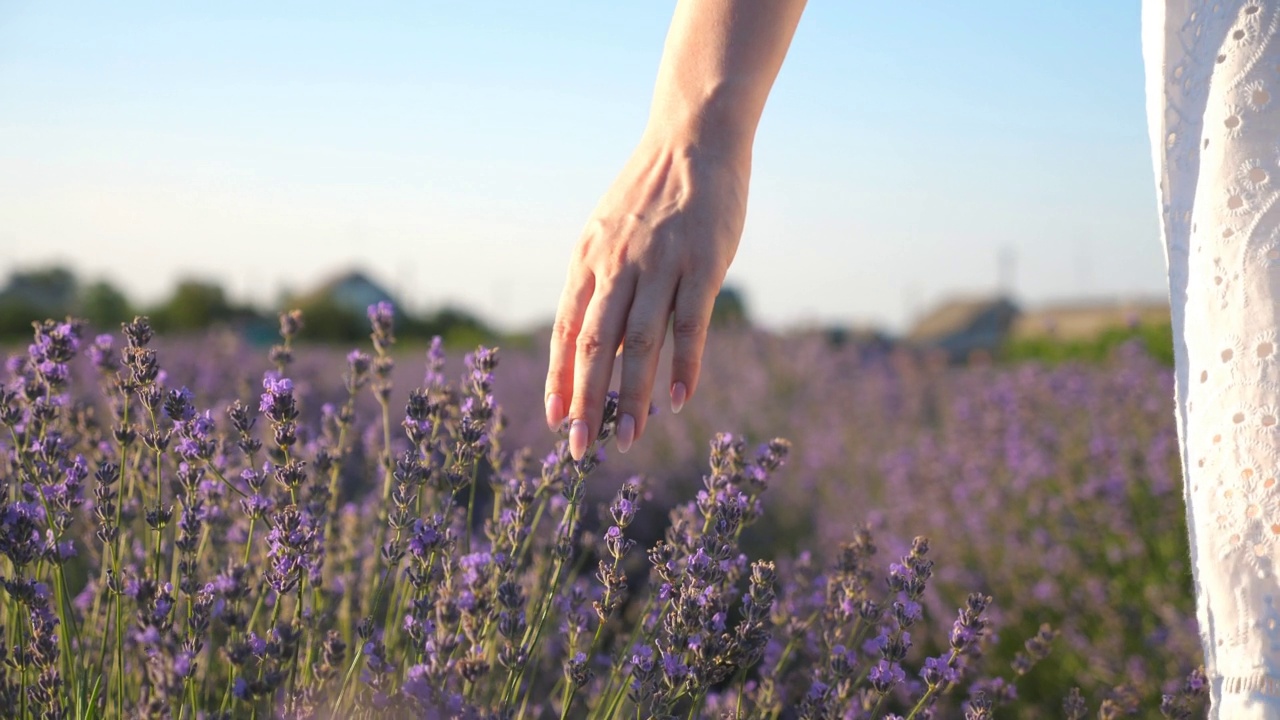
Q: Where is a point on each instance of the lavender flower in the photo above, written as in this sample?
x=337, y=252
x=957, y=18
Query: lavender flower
x=344, y=567
x=280, y=407
x=884, y=675
x=103, y=355
x=382, y=317
x=21, y=536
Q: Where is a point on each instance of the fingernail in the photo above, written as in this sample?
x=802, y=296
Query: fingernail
x=626, y=432
x=578, y=439
x=555, y=411
x=679, y=393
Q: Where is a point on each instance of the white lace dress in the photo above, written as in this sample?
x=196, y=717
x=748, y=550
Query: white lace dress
x=1213, y=101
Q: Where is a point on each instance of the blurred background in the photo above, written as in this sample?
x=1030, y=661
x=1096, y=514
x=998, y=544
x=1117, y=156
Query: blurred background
x=950, y=292
x=211, y=162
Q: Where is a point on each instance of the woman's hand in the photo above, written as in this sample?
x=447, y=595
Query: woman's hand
x=660, y=241
x=656, y=247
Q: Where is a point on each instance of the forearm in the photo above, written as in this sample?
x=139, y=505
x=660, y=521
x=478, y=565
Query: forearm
x=718, y=65
x=656, y=249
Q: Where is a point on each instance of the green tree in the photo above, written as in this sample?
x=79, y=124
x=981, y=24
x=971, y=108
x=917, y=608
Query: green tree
x=52, y=290
x=103, y=305
x=328, y=321
x=195, y=305
x=730, y=309
x=16, y=317
x=1155, y=338
x=35, y=295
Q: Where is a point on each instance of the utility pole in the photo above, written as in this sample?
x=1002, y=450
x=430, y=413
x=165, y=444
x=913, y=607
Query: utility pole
x=1006, y=264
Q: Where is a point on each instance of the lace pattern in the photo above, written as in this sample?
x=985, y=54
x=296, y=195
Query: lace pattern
x=1213, y=69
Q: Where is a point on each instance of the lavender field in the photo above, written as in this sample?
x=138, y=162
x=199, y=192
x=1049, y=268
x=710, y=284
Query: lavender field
x=193, y=528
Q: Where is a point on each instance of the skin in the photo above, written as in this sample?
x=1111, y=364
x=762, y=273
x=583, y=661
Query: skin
x=657, y=246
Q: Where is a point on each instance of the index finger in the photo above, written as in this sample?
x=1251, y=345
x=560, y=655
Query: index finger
x=564, y=338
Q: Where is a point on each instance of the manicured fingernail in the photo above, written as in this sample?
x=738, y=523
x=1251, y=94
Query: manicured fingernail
x=555, y=411
x=626, y=432
x=679, y=393
x=578, y=439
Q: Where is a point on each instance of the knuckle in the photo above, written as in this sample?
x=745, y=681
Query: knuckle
x=687, y=327
x=597, y=227
x=590, y=345
x=638, y=342
x=564, y=330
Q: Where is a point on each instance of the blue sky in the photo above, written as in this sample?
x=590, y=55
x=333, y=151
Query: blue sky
x=454, y=150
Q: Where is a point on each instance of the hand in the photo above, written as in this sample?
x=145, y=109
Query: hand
x=657, y=246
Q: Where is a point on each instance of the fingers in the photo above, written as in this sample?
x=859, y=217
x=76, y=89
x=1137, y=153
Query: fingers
x=646, y=328
x=597, y=343
x=564, y=340
x=597, y=323
x=695, y=298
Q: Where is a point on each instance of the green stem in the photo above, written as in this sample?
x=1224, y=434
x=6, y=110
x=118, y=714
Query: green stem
x=218, y=474
x=155, y=560
x=570, y=520
x=570, y=690
x=645, y=638
x=22, y=659
x=386, y=451
x=257, y=607
x=116, y=559
x=697, y=703
x=293, y=669
x=928, y=695
x=471, y=506
x=337, y=703
x=335, y=473
x=66, y=613
x=740, y=681
x=537, y=520
x=524, y=704
x=248, y=543
x=377, y=598
x=613, y=706
x=119, y=655
x=386, y=462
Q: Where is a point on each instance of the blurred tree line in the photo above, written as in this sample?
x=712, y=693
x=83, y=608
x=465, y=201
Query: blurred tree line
x=334, y=311
x=196, y=305
x=1156, y=339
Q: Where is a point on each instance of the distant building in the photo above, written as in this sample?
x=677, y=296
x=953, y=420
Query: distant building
x=983, y=324
x=50, y=292
x=337, y=310
x=864, y=338
x=351, y=292
x=964, y=326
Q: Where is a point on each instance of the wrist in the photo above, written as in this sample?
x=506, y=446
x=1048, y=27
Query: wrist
x=711, y=122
